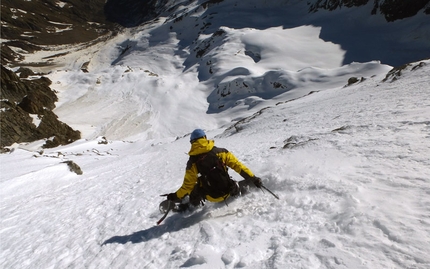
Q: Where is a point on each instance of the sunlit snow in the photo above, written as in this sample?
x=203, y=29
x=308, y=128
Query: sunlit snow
x=349, y=162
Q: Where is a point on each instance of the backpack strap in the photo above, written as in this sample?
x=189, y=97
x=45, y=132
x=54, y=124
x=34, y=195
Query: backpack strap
x=211, y=154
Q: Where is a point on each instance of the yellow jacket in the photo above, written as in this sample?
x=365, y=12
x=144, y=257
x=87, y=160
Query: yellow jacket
x=203, y=145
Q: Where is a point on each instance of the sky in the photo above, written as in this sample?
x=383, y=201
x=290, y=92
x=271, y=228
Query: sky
x=349, y=162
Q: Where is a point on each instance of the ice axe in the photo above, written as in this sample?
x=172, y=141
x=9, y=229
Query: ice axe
x=167, y=205
x=271, y=192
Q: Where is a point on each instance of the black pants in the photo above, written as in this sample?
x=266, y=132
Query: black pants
x=198, y=194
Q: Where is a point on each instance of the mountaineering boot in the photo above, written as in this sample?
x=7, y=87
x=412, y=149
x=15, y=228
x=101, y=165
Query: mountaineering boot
x=181, y=208
x=245, y=186
x=235, y=189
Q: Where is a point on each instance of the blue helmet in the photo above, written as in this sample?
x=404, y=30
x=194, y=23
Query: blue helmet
x=196, y=134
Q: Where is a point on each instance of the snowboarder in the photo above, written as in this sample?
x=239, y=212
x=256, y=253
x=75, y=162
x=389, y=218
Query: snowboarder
x=206, y=176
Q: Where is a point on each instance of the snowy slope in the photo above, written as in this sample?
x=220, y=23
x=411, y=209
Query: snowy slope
x=208, y=71
x=350, y=163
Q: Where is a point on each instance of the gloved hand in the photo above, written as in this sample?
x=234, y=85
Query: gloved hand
x=257, y=181
x=171, y=196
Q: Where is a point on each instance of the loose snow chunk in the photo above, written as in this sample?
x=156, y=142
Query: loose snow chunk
x=60, y=4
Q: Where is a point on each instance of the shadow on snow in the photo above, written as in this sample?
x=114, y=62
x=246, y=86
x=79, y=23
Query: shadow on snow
x=173, y=224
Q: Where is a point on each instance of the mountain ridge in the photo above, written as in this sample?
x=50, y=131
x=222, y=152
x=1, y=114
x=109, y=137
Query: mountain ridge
x=87, y=22
x=202, y=29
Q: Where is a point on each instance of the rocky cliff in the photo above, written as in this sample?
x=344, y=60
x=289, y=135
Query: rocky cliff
x=26, y=111
x=32, y=25
x=391, y=9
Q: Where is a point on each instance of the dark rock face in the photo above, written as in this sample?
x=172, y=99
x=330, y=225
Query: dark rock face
x=73, y=167
x=129, y=13
x=399, y=9
x=391, y=9
x=19, y=99
x=335, y=4
x=31, y=25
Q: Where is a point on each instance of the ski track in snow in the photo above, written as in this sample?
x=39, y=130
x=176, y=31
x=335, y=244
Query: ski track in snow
x=350, y=164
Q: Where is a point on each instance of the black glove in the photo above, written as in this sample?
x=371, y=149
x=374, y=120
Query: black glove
x=257, y=181
x=171, y=196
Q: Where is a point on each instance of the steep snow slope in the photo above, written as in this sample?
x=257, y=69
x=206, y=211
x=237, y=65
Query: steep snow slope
x=224, y=66
x=223, y=57
x=350, y=165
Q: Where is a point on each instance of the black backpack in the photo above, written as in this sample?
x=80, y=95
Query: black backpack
x=214, y=178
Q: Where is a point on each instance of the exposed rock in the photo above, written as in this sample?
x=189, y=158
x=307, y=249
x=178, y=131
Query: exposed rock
x=16, y=124
x=395, y=73
x=26, y=112
x=206, y=45
x=50, y=22
x=84, y=67
x=335, y=4
x=391, y=9
x=39, y=96
x=103, y=141
x=61, y=133
x=297, y=141
x=74, y=167
x=352, y=80
x=25, y=72
x=400, y=9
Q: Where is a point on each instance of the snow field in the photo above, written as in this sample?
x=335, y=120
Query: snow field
x=350, y=164
x=350, y=196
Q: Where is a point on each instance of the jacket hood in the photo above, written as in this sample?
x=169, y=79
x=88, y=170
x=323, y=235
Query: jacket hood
x=200, y=146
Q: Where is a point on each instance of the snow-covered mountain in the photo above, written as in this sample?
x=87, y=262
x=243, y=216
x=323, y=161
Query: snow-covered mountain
x=201, y=35
x=310, y=102
x=29, y=26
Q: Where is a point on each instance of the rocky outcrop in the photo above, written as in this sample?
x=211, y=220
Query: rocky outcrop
x=26, y=112
x=399, y=9
x=73, y=167
x=391, y=9
x=30, y=26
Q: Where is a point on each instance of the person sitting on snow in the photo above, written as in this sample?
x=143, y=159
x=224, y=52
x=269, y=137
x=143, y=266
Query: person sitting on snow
x=206, y=176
